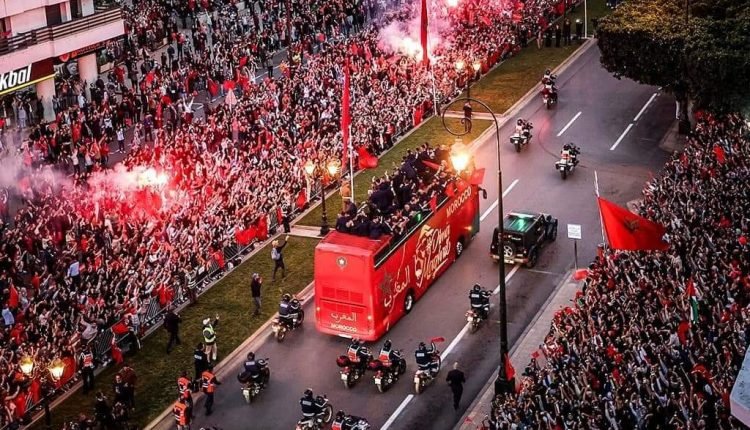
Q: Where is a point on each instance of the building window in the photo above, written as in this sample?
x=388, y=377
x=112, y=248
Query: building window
x=54, y=14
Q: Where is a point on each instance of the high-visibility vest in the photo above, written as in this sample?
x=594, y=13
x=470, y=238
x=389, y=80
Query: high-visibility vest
x=88, y=359
x=180, y=413
x=208, y=382
x=209, y=336
x=183, y=384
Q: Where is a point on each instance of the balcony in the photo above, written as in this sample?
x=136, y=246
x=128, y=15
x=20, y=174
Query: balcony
x=60, y=39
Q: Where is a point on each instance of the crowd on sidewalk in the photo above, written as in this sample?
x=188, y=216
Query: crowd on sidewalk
x=81, y=255
x=656, y=340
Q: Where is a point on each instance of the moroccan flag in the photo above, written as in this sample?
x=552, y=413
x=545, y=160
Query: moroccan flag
x=477, y=177
x=628, y=231
x=262, y=232
x=430, y=164
x=346, y=119
x=510, y=372
x=433, y=203
x=229, y=84
x=366, y=160
x=301, y=199
x=719, y=153
x=279, y=215
x=423, y=35
x=213, y=88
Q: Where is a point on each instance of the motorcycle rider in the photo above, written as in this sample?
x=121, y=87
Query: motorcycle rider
x=426, y=358
x=257, y=370
x=358, y=354
x=548, y=81
x=288, y=310
x=390, y=358
x=570, y=152
x=480, y=301
x=342, y=421
x=523, y=128
x=310, y=408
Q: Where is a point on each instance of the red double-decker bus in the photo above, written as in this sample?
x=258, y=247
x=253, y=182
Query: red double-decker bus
x=364, y=286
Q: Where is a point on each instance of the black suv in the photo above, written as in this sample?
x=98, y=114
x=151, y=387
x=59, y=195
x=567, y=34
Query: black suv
x=526, y=233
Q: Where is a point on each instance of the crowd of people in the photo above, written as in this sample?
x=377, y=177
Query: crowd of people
x=82, y=255
x=656, y=339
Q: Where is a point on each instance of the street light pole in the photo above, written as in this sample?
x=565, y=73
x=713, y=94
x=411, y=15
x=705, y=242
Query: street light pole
x=502, y=384
x=324, y=229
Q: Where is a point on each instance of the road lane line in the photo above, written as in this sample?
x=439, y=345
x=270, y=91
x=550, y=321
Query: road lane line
x=643, y=109
x=496, y=202
x=622, y=136
x=445, y=353
x=464, y=330
x=568, y=124
x=507, y=278
x=398, y=410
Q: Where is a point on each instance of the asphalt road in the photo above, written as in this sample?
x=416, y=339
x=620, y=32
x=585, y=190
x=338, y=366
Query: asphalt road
x=307, y=358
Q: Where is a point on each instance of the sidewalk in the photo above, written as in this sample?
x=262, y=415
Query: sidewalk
x=520, y=353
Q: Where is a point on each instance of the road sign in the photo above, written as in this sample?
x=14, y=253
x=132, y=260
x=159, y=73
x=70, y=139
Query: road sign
x=574, y=231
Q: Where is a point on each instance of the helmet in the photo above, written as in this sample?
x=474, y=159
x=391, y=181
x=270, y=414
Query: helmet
x=356, y=342
x=286, y=297
x=519, y=121
x=251, y=356
x=477, y=287
x=547, y=72
x=340, y=415
x=308, y=393
x=387, y=344
x=422, y=346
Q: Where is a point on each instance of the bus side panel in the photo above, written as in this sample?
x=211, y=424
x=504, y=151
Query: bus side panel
x=343, y=294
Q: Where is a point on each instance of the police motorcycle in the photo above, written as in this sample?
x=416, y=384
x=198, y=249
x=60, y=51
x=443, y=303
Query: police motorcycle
x=522, y=135
x=568, y=160
x=318, y=420
x=480, y=307
x=354, y=363
x=386, y=370
x=549, y=91
x=254, y=380
x=291, y=316
x=429, y=362
x=342, y=421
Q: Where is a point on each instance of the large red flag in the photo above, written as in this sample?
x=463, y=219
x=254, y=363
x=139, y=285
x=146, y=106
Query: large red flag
x=423, y=35
x=628, y=231
x=346, y=118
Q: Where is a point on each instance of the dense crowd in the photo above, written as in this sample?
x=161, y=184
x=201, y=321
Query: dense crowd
x=79, y=256
x=656, y=339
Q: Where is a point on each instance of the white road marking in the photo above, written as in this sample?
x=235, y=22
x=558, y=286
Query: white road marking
x=622, y=136
x=445, y=353
x=398, y=410
x=643, y=109
x=496, y=202
x=568, y=124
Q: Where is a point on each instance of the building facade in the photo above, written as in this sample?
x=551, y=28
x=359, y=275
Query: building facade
x=42, y=41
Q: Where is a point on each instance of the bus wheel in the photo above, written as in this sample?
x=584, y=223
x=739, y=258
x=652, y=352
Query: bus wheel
x=408, y=302
x=459, y=247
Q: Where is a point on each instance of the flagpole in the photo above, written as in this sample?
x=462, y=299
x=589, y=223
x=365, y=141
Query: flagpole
x=434, y=92
x=599, y=208
x=351, y=170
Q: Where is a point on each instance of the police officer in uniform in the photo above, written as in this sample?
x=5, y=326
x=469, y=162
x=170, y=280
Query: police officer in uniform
x=200, y=360
x=480, y=301
x=209, y=338
x=209, y=383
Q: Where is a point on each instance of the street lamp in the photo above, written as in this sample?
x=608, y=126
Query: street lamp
x=461, y=68
x=56, y=369
x=27, y=365
x=316, y=170
x=502, y=384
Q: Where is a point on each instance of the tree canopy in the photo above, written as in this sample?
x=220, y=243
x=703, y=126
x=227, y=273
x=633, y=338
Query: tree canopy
x=704, y=57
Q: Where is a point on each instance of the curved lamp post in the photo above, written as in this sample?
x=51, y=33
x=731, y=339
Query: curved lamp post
x=316, y=170
x=502, y=384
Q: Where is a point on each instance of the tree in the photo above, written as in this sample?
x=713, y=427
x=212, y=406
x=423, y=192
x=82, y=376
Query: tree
x=697, y=53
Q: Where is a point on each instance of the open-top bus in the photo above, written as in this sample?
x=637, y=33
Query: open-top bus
x=364, y=286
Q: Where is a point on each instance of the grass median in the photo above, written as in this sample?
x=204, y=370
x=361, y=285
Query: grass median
x=230, y=298
x=431, y=131
x=507, y=83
